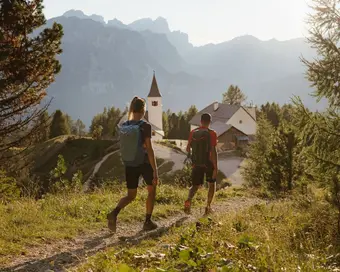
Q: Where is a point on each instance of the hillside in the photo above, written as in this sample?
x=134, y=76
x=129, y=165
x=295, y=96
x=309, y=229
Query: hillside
x=106, y=64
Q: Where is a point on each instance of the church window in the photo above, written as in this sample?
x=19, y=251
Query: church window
x=240, y=122
x=154, y=103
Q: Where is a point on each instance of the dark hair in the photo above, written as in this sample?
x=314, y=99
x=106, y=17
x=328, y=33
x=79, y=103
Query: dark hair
x=206, y=118
x=137, y=105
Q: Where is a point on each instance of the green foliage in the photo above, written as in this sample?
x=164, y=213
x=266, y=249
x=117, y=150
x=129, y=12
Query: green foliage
x=43, y=130
x=60, y=125
x=177, y=125
x=273, y=159
x=97, y=132
x=234, y=96
x=283, y=236
x=69, y=214
x=105, y=124
x=321, y=131
x=28, y=65
x=77, y=127
x=9, y=190
x=181, y=178
x=59, y=183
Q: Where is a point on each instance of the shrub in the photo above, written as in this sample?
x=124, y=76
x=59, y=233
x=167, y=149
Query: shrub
x=8, y=188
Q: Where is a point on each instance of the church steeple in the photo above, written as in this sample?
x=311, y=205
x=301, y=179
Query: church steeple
x=154, y=91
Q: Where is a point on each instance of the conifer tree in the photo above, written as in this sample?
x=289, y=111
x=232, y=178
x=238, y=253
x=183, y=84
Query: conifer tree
x=43, y=131
x=321, y=131
x=59, y=125
x=28, y=65
x=234, y=96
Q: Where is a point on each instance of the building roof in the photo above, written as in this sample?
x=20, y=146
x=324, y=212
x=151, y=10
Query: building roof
x=251, y=111
x=154, y=91
x=220, y=127
x=223, y=113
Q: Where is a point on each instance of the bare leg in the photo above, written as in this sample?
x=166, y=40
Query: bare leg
x=112, y=217
x=150, y=202
x=192, y=192
x=131, y=196
x=211, y=193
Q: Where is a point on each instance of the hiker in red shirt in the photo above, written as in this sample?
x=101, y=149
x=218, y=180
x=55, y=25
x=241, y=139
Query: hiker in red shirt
x=202, y=150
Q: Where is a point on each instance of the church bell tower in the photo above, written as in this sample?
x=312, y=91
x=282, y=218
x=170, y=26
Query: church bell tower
x=155, y=107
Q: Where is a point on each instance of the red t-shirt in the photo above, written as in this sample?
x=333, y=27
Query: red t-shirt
x=213, y=137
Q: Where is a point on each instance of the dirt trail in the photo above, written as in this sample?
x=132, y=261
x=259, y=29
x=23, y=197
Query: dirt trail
x=68, y=254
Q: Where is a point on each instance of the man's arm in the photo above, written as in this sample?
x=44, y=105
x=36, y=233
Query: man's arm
x=214, y=156
x=189, y=143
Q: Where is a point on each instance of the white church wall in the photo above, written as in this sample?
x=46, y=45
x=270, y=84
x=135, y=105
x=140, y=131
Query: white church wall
x=155, y=111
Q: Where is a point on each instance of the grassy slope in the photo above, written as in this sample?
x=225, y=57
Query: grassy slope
x=27, y=222
x=283, y=236
x=84, y=152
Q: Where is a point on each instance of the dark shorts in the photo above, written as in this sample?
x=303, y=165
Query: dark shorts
x=132, y=175
x=198, y=174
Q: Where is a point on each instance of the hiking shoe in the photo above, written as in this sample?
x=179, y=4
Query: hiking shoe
x=208, y=211
x=149, y=225
x=187, y=207
x=112, y=222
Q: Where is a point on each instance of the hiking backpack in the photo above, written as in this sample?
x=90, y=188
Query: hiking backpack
x=131, y=145
x=201, y=147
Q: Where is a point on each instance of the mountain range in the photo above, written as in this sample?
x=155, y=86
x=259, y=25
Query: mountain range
x=105, y=64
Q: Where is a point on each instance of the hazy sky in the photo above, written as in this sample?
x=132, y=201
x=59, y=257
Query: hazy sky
x=204, y=20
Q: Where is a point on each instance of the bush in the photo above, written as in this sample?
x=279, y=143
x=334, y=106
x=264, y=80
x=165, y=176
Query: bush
x=8, y=188
x=59, y=183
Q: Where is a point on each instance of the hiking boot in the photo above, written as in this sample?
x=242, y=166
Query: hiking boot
x=208, y=211
x=187, y=207
x=112, y=222
x=149, y=225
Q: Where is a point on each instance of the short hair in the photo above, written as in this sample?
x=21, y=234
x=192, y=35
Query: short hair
x=206, y=118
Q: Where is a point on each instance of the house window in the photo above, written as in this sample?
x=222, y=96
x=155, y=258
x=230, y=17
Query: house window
x=240, y=121
x=153, y=133
x=154, y=103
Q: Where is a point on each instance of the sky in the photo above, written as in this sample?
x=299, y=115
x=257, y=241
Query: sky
x=206, y=21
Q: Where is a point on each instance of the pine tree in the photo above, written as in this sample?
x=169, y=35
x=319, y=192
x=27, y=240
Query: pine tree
x=321, y=131
x=78, y=128
x=272, y=112
x=257, y=171
x=43, y=130
x=234, y=96
x=165, y=124
x=59, y=125
x=28, y=66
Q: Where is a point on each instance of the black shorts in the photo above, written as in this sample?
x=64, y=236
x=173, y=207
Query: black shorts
x=132, y=175
x=198, y=174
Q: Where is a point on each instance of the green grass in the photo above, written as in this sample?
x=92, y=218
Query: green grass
x=294, y=235
x=28, y=222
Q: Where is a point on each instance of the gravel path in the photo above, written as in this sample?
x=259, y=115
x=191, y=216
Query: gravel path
x=68, y=254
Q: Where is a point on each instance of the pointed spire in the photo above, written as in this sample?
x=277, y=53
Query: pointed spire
x=154, y=91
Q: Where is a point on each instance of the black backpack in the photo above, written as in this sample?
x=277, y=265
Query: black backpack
x=201, y=147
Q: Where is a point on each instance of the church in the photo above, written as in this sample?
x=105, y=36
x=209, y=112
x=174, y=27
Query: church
x=154, y=113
